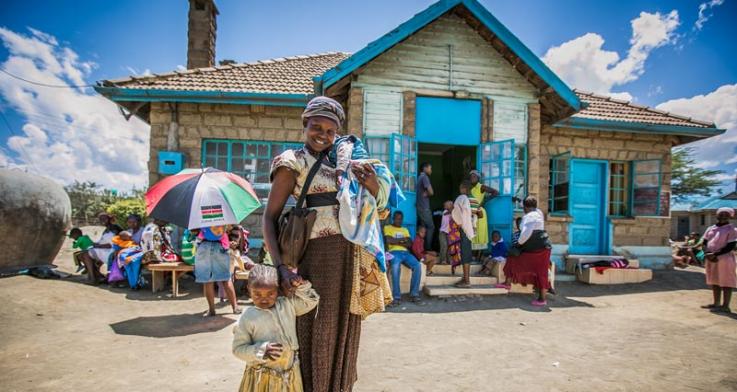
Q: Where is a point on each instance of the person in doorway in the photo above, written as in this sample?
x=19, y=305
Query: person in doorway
x=532, y=262
x=424, y=192
x=399, y=242
x=444, y=232
x=462, y=216
x=427, y=257
x=721, y=241
x=479, y=195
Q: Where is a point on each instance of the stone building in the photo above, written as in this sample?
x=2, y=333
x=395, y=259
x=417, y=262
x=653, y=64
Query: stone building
x=453, y=87
x=697, y=217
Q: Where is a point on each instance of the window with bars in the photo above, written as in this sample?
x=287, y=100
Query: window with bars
x=559, y=179
x=249, y=159
x=619, y=179
x=646, y=187
x=400, y=152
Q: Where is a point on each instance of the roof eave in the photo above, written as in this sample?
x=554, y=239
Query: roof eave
x=637, y=127
x=118, y=94
x=375, y=48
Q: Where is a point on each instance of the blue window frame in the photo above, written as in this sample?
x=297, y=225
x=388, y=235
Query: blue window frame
x=619, y=192
x=249, y=159
x=559, y=183
x=520, y=175
x=497, y=163
x=646, y=183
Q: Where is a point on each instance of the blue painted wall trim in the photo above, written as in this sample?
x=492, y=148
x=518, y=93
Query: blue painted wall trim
x=238, y=98
x=633, y=127
x=437, y=118
x=433, y=12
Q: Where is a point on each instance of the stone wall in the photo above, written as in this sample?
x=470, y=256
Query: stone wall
x=221, y=121
x=638, y=231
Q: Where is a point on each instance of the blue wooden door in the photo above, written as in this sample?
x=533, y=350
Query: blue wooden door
x=496, y=163
x=587, y=206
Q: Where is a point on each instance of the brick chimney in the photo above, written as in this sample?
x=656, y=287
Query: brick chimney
x=201, y=33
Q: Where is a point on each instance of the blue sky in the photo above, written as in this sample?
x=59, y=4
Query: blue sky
x=112, y=39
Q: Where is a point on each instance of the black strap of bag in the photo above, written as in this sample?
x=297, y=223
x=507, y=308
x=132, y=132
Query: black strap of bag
x=308, y=180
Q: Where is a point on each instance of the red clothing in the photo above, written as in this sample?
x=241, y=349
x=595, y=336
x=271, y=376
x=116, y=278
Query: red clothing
x=418, y=247
x=529, y=268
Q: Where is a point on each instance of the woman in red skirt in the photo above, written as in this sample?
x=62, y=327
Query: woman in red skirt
x=531, y=265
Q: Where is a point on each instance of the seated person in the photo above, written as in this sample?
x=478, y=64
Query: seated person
x=427, y=257
x=156, y=243
x=83, y=243
x=498, y=253
x=102, y=250
x=398, y=242
x=128, y=256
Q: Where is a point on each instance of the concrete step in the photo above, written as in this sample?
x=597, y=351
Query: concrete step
x=452, y=291
x=448, y=280
x=444, y=269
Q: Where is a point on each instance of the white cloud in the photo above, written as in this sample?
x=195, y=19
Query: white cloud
x=703, y=16
x=719, y=106
x=69, y=133
x=583, y=62
x=707, y=164
x=136, y=72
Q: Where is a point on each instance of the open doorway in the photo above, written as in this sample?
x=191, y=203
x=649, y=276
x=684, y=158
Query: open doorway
x=450, y=166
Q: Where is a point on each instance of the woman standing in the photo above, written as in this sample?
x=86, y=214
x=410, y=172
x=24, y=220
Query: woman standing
x=721, y=240
x=478, y=196
x=328, y=338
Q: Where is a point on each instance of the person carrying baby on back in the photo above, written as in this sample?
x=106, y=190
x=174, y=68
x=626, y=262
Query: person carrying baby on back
x=266, y=334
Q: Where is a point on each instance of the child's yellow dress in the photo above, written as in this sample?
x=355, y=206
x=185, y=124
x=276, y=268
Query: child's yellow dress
x=258, y=327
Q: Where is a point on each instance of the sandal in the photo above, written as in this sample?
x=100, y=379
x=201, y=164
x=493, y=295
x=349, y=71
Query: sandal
x=710, y=306
x=721, y=309
x=463, y=285
x=503, y=286
x=539, y=303
x=209, y=313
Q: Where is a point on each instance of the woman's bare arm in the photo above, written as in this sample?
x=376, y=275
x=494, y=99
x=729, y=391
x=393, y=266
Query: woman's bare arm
x=281, y=187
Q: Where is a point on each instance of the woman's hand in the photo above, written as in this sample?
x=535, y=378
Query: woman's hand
x=288, y=280
x=366, y=176
x=711, y=257
x=480, y=214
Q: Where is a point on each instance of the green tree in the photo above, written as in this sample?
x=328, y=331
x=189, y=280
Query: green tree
x=688, y=180
x=122, y=208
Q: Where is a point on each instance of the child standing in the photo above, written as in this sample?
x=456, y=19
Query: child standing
x=266, y=334
x=463, y=215
x=429, y=258
x=444, y=231
x=81, y=242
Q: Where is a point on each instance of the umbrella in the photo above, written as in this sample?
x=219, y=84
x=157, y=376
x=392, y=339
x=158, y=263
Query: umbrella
x=195, y=198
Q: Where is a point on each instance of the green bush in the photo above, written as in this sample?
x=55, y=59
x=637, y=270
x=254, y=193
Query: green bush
x=122, y=208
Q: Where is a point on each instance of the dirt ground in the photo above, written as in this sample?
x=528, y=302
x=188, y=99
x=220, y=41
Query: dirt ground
x=63, y=335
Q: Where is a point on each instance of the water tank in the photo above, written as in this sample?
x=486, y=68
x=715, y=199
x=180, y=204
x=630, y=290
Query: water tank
x=35, y=214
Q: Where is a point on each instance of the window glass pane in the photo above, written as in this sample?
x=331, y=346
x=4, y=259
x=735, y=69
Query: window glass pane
x=251, y=150
x=210, y=148
x=237, y=149
x=647, y=167
x=646, y=180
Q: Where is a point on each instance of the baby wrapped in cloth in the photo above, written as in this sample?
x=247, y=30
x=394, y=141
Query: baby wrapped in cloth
x=360, y=216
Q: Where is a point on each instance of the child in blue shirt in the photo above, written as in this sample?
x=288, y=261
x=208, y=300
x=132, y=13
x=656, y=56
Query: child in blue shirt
x=498, y=253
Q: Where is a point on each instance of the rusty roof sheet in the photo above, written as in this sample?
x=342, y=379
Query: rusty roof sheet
x=290, y=75
x=606, y=108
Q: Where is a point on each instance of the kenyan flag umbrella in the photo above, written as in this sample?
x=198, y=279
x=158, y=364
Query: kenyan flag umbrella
x=195, y=198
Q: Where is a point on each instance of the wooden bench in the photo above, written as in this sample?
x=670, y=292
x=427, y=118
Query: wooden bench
x=177, y=269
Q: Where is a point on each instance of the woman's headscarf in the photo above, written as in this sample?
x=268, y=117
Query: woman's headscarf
x=727, y=210
x=475, y=172
x=324, y=107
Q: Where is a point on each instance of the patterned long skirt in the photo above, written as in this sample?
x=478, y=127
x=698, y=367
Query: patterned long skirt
x=329, y=335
